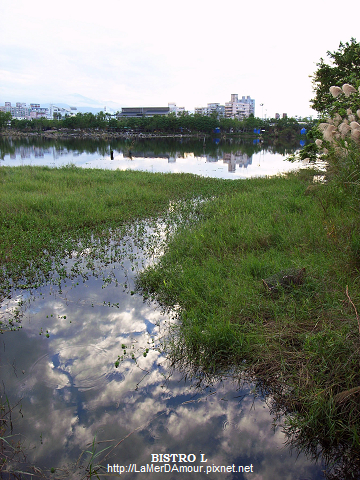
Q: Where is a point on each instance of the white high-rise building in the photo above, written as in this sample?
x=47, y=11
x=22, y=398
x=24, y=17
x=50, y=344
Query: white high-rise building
x=239, y=108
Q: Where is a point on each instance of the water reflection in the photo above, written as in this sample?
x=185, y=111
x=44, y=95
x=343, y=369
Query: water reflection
x=232, y=158
x=71, y=392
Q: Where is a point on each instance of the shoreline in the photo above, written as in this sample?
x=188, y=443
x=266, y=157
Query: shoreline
x=96, y=135
x=65, y=133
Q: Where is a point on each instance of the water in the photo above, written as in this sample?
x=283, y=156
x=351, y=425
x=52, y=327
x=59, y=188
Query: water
x=70, y=392
x=59, y=374
x=230, y=159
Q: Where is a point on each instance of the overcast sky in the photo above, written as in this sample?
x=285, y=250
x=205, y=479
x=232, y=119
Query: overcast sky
x=150, y=53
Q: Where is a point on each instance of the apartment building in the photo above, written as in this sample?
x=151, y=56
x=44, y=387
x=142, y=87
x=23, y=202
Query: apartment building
x=200, y=111
x=23, y=112
x=19, y=111
x=240, y=109
x=211, y=108
x=60, y=112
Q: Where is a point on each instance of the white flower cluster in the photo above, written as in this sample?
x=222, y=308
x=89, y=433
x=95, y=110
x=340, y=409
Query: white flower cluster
x=338, y=128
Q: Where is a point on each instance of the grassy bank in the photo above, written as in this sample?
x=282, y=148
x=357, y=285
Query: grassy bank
x=245, y=300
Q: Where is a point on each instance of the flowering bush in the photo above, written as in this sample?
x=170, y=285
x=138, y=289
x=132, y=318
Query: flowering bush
x=342, y=126
x=339, y=137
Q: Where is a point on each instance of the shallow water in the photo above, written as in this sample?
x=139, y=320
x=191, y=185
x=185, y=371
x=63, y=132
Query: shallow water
x=68, y=391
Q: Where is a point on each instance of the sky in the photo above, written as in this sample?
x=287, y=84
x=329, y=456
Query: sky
x=119, y=53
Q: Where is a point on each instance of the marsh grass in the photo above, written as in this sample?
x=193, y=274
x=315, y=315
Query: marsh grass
x=301, y=342
x=48, y=213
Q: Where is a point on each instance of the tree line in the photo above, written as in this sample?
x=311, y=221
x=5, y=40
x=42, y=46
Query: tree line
x=185, y=123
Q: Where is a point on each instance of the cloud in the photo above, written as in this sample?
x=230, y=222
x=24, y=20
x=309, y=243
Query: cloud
x=151, y=53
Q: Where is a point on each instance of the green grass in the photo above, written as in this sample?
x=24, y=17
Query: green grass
x=301, y=343
x=46, y=212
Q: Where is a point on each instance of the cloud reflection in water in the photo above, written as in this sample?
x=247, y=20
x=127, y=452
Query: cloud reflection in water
x=71, y=391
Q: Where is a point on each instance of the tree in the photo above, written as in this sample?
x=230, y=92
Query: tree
x=344, y=68
x=5, y=118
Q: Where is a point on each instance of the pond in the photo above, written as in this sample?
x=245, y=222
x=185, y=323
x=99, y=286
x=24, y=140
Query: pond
x=230, y=159
x=89, y=381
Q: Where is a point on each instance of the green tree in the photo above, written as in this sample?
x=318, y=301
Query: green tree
x=344, y=68
x=5, y=117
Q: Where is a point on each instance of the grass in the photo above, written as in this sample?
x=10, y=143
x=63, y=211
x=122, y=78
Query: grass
x=301, y=342
x=46, y=213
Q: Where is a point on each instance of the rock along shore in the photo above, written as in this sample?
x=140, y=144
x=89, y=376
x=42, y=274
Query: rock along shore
x=64, y=133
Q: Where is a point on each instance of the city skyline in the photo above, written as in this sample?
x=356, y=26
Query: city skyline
x=236, y=108
x=121, y=55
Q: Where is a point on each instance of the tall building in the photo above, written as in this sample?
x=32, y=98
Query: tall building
x=34, y=110
x=239, y=108
x=249, y=101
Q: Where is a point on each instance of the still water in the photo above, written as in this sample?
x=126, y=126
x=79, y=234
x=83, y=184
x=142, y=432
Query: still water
x=59, y=371
x=231, y=159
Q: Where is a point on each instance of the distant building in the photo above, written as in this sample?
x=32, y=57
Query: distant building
x=284, y=115
x=249, y=101
x=216, y=107
x=277, y=116
x=151, y=111
x=210, y=109
x=35, y=110
x=200, y=111
x=239, y=108
x=60, y=112
x=144, y=111
x=174, y=109
x=20, y=111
